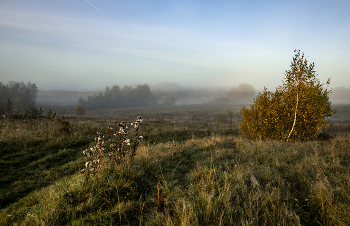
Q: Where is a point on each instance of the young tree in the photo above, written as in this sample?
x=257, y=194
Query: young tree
x=80, y=111
x=297, y=110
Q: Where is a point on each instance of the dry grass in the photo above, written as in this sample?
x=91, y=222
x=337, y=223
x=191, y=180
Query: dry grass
x=181, y=175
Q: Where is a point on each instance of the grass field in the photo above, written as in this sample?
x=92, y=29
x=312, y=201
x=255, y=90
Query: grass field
x=191, y=168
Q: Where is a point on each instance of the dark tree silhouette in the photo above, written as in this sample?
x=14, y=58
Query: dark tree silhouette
x=21, y=95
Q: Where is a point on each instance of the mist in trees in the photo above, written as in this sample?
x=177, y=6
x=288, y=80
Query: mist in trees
x=172, y=93
x=244, y=93
x=120, y=97
x=21, y=95
x=340, y=95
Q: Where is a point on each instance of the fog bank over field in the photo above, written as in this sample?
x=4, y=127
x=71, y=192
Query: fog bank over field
x=170, y=93
x=340, y=95
x=165, y=94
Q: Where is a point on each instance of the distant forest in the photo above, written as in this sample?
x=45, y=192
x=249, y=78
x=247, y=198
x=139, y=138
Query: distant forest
x=166, y=94
x=21, y=96
x=116, y=97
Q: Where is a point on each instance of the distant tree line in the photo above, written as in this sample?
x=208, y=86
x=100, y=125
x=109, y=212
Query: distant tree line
x=20, y=95
x=140, y=96
x=188, y=92
x=167, y=94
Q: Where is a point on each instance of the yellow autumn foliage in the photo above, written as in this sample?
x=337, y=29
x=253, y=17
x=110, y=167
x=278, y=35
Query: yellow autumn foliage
x=297, y=110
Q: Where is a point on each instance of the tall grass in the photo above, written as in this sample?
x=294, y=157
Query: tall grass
x=195, y=174
x=213, y=181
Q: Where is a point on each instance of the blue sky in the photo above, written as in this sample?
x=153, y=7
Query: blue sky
x=87, y=45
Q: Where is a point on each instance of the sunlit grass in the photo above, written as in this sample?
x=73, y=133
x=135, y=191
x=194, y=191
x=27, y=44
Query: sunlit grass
x=195, y=174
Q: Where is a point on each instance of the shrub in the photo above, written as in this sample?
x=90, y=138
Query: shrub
x=33, y=113
x=297, y=110
x=50, y=115
x=80, y=111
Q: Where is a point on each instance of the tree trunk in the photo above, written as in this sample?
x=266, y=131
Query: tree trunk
x=295, y=112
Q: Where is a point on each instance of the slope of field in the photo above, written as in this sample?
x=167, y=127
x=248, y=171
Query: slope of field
x=192, y=168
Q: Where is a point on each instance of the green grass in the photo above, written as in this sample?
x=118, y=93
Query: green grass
x=193, y=172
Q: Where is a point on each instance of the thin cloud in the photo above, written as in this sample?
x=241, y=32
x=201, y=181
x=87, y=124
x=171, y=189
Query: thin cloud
x=93, y=6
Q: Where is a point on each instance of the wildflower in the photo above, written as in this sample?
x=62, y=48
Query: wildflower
x=88, y=164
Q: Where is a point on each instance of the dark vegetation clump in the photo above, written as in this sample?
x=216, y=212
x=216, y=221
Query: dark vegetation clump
x=22, y=96
x=80, y=111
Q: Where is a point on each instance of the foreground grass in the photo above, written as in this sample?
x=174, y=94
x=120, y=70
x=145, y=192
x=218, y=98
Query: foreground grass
x=190, y=169
x=35, y=153
x=215, y=180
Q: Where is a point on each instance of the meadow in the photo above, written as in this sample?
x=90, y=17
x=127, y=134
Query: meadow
x=192, y=167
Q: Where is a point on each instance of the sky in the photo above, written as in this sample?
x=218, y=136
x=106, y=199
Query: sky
x=84, y=45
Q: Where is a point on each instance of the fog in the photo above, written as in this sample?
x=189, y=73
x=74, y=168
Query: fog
x=340, y=95
x=170, y=93
x=22, y=96
x=161, y=94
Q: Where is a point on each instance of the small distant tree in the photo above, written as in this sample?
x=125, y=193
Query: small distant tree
x=297, y=110
x=80, y=111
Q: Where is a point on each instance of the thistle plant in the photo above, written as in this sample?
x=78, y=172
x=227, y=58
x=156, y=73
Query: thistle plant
x=119, y=146
x=136, y=126
x=95, y=155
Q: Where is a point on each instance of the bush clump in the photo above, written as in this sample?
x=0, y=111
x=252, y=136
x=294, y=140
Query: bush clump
x=297, y=110
x=80, y=111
